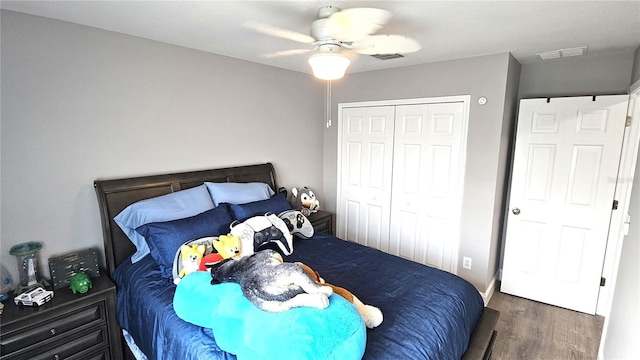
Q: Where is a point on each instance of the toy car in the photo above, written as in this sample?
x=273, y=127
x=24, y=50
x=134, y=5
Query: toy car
x=34, y=297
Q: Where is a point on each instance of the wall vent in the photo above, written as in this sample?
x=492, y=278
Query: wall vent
x=387, y=56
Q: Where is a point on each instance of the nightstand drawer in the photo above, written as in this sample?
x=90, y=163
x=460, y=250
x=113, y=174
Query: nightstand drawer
x=322, y=221
x=72, y=347
x=52, y=328
x=323, y=226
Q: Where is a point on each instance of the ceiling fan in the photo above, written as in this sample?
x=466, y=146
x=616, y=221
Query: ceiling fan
x=337, y=30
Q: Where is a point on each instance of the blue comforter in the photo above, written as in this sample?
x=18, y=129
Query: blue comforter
x=428, y=313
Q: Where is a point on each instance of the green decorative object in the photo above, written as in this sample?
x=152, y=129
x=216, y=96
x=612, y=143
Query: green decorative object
x=80, y=282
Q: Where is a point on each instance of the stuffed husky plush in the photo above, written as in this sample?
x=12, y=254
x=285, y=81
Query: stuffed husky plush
x=271, y=284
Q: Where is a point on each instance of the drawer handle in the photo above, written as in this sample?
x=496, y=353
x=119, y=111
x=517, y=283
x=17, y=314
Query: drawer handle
x=53, y=332
x=56, y=357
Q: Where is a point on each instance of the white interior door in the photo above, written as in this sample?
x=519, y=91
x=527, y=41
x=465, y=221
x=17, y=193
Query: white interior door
x=365, y=175
x=566, y=159
x=426, y=190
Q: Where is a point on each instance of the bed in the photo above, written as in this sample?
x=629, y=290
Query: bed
x=410, y=295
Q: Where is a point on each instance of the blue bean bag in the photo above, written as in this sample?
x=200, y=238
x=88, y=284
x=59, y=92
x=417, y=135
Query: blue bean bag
x=240, y=328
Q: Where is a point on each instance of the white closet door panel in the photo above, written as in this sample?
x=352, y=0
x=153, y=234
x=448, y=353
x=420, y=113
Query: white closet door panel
x=351, y=228
x=354, y=155
x=365, y=175
x=377, y=228
x=425, y=205
x=434, y=251
x=371, y=233
x=406, y=239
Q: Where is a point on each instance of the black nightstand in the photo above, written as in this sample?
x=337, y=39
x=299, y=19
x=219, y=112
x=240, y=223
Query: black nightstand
x=73, y=326
x=322, y=221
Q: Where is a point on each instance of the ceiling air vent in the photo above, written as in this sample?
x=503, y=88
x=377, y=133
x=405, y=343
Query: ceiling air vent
x=563, y=53
x=387, y=56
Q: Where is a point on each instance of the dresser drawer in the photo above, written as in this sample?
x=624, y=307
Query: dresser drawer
x=55, y=327
x=105, y=354
x=80, y=346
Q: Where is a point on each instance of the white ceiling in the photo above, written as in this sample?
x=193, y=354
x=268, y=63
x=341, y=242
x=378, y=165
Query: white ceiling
x=445, y=29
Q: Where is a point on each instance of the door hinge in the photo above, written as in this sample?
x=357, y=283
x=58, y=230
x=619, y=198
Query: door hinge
x=602, y=281
x=629, y=119
x=615, y=205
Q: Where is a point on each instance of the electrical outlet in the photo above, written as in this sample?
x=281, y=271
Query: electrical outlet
x=466, y=262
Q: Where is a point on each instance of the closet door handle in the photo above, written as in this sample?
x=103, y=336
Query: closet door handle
x=515, y=211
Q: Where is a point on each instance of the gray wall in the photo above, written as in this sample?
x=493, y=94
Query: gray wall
x=607, y=74
x=479, y=76
x=635, y=73
x=80, y=103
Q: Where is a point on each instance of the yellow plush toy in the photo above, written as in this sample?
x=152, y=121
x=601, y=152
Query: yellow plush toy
x=228, y=246
x=191, y=256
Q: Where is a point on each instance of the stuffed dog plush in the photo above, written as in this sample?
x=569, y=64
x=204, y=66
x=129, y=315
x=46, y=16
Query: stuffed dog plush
x=371, y=315
x=270, y=283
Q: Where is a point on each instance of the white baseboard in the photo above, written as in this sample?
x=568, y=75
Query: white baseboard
x=486, y=296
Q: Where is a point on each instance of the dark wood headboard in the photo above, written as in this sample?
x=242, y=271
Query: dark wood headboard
x=116, y=194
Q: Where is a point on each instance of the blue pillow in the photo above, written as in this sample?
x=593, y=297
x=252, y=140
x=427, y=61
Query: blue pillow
x=164, y=238
x=176, y=205
x=238, y=193
x=275, y=204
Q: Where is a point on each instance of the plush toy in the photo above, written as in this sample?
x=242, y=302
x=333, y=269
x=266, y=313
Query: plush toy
x=304, y=200
x=260, y=230
x=228, y=246
x=270, y=283
x=191, y=257
x=371, y=315
x=209, y=259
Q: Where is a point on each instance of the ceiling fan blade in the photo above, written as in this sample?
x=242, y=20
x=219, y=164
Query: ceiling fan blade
x=386, y=44
x=354, y=24
x=287, y=53
x=279, y=32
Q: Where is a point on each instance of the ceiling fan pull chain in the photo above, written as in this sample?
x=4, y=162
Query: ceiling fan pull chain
x=328, y=101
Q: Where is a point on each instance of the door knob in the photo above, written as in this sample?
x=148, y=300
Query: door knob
x=516, y=211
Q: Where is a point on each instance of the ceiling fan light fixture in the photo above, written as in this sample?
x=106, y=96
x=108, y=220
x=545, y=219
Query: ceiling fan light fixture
x=329, y=65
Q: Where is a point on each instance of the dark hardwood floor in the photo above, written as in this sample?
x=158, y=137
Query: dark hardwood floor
x=532, y=330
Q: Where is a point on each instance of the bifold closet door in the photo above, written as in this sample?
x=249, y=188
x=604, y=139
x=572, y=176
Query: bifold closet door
x=365, y=175
x=427, y=183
